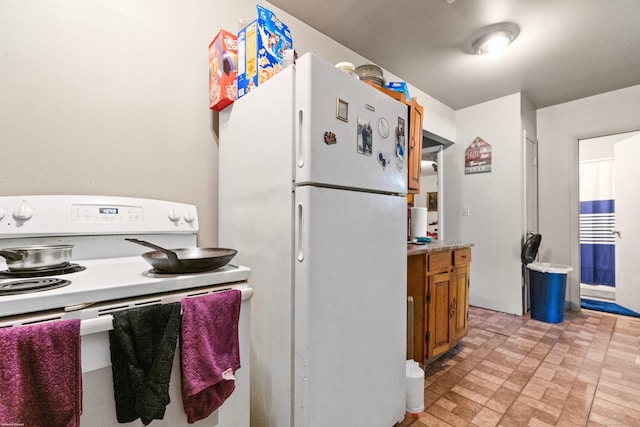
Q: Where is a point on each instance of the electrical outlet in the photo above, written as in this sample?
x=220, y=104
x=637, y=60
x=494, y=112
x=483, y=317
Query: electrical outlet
x=465, y=211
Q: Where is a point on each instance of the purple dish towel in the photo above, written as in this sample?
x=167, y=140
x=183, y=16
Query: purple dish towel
x=41, y=375
x=210, y=352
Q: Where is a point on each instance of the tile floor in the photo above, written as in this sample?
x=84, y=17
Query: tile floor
x=513, y=371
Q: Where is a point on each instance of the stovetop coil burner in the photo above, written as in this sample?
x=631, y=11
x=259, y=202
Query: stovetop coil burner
x=32, y=285
x=41, y=272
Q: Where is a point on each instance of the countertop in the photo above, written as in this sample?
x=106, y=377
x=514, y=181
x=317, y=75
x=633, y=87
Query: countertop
x=435, y=246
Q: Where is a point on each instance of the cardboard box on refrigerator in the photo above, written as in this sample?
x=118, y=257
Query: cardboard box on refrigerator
x=262, y=47
x=223, y=70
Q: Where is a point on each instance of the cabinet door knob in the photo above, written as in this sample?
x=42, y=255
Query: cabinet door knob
x=453, y=307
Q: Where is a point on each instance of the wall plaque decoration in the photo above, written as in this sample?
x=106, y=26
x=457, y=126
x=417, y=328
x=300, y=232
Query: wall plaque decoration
x=477, y=157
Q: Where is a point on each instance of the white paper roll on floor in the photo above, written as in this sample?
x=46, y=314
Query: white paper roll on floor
x=418, y=222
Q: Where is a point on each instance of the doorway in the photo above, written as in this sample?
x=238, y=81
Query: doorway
x=430, y=189
x=600, y=240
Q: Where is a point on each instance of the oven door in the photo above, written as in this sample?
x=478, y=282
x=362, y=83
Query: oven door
x=98, y=404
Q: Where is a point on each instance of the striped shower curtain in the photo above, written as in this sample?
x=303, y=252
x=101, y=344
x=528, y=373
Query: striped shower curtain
x=597, y=220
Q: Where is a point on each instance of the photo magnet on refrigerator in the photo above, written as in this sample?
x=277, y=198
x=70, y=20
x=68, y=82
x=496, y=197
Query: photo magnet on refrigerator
x=365, y=137
x=400, y=139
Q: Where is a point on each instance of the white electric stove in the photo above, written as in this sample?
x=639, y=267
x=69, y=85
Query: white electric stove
x=107, y=274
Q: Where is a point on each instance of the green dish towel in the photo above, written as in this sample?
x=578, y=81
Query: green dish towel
x=143, y=343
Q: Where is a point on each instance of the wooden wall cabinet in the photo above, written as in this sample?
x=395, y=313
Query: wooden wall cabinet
x=439, y=285
x=414, y=157
x=414, y=145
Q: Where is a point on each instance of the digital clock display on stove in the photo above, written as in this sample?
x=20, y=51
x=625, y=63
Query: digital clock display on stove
x=108, y=211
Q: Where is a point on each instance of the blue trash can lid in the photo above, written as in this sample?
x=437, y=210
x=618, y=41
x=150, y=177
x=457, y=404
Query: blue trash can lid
x=547, y=267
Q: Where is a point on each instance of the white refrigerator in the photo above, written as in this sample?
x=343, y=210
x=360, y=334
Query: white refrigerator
x=312, y=186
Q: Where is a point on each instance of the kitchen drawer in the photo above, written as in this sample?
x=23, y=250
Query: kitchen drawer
x=462, y=256
x=439, y=261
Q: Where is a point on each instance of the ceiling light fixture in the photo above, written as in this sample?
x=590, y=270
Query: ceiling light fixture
x=494, y=38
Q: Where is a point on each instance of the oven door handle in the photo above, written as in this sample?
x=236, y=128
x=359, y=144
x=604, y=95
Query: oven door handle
x=77, y=307
x=96, y=325
x=104, y=323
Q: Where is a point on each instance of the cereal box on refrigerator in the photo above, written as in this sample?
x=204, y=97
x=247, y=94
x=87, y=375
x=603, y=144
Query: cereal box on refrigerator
x=223, y=70
x=261, y=48
x=399, y=87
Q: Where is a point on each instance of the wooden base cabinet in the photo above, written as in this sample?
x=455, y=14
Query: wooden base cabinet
x=461, y=301
x=439, y=285
x=438, y=325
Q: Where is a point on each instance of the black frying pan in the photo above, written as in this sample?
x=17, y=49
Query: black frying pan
x=185, y=260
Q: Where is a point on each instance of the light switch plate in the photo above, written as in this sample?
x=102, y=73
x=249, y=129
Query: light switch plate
x=465, y=211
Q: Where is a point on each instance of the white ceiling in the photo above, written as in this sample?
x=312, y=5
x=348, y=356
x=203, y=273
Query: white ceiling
x=566, y=50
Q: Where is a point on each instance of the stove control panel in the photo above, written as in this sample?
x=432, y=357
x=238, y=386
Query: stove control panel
x=67, y=215
x=106, y=213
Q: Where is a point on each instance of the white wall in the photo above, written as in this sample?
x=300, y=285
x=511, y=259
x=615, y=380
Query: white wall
x=110, y=97
x=494, y=200
x=559, y=129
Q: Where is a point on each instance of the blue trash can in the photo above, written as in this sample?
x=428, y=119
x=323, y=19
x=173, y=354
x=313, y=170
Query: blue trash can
x=547, y=287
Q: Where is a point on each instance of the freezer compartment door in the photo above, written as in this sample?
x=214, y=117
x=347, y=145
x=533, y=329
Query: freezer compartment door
x=350, y=307
x=348, y=133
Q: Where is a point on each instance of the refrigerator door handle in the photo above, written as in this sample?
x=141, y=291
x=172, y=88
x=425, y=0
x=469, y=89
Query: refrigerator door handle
x=300, y=160
x=300, y=249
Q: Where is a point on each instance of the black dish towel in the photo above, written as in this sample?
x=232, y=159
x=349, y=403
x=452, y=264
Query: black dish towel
x=143, y=343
